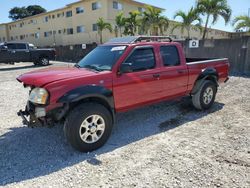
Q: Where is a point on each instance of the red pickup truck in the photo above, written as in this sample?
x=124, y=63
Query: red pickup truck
x=121, y=75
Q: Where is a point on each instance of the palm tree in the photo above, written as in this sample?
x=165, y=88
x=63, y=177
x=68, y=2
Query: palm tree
x=153, y=21
x=188, y=19
x=241, y=22
x=214, y=8
x=102, y=25
x=120, y=22
x=131, y=23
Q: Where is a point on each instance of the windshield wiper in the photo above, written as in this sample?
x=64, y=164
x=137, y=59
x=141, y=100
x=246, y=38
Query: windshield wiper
x=77, y=65
x=93, y=67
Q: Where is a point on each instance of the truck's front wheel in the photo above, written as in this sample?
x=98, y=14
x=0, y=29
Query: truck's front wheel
x=205, y=96
x=88, y=126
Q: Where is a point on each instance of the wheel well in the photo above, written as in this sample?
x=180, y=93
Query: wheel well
x=42, y=56
x=200, y=80
x=95, y=100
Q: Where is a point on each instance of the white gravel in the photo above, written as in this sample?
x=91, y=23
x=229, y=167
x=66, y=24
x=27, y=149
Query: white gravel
x=164, y=145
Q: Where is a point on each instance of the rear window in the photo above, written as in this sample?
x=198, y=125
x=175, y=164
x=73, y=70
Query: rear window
x=20, y=46
x=170, y=56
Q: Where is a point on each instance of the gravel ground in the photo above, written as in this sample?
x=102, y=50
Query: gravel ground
x=164, y=145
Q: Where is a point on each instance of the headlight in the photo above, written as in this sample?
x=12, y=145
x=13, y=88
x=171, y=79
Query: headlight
x=38, y=96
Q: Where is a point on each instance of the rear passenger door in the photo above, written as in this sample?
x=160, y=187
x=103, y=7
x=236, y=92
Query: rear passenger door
x=174, y=72
x=142, y=84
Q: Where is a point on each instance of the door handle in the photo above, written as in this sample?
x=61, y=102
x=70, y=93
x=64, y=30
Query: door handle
x=156, y=75
x=181, y=71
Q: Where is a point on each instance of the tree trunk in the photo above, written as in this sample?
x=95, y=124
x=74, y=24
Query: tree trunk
x=205, y=29
x=188, y=31
x=120, y=31
x=100, y=33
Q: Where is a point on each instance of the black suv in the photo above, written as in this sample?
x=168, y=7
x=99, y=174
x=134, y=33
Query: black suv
x=11, y=52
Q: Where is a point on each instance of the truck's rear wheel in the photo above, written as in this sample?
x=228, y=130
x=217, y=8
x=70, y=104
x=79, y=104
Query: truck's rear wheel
x=205, y=96
x=44, y=61
x=88, y=126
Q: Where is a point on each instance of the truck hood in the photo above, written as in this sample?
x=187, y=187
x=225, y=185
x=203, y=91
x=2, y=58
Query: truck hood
x=45, y=76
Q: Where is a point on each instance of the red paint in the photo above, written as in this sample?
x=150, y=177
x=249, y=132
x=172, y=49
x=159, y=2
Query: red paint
x=130, y=90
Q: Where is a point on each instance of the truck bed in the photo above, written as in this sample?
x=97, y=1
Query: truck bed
x=203, y=60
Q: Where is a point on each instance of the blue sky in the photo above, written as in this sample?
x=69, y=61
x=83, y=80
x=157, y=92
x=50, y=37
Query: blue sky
x=171, y=6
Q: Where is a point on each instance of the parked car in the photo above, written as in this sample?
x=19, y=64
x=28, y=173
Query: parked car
x=121, y=75
x=11, y=52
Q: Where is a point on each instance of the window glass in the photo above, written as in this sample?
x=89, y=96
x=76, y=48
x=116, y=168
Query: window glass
x=80, y=29
x=11, y=46
x=141, y=59
x=70, y=31
x=96, y=6
x=20, y=46
x=117, y=5
x=170, y=56
x=79, y=10
x=94, y=27
x=102, y=57
x=69, y=13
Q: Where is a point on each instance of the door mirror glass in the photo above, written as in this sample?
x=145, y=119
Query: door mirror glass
x=126, y=67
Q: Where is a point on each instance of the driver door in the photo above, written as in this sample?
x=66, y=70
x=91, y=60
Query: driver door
x=141, y=84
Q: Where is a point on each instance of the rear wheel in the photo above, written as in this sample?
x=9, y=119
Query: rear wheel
x=88, y=126
x=205, y=96
x=44, y=61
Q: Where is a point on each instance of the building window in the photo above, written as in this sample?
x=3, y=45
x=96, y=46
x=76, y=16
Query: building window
x=46, y=19
x=37, y=35
x=79, y=10
x=11, y=38
x=80, y=29
x=59, y=31
x=140, y=9
x=47, y=34
x=70, y=31
x=22, y=37
x=53, y=16
x=69, y=14
x=96, y=5
x=117, y=6
x=94, y=27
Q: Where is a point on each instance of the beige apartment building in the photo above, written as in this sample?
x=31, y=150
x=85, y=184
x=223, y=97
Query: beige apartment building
x=76, y=24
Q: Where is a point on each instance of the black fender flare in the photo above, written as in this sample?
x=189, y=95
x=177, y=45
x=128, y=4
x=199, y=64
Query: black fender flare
x=87, y=92
x=207, y=74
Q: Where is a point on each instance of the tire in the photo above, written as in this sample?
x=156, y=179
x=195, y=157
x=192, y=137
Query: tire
x=205, y=96
x=44, y=61
x=88, y=126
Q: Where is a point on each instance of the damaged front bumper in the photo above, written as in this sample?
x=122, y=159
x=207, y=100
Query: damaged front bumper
x=33, y=116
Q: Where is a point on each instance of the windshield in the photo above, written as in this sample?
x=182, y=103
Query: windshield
x=102, y=58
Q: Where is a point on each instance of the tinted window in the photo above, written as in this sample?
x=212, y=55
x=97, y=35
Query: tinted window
x=11, y=46
x=21, y=46
x=170, y=56
x=141, y=59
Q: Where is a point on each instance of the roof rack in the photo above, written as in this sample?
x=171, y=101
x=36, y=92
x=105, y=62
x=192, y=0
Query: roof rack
x=135, y=39
x=153, y=38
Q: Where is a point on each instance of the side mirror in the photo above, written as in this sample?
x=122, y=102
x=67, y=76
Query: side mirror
x=125, y=68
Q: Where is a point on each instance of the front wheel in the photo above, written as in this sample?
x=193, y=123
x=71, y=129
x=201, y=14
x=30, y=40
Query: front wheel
x=88, y=126
x=205, y=96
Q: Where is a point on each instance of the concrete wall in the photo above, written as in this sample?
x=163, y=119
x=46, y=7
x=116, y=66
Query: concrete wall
x=237, y=50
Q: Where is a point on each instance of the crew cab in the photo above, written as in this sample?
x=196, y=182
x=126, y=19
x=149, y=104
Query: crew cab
x=11, y=52
x=118, y=76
